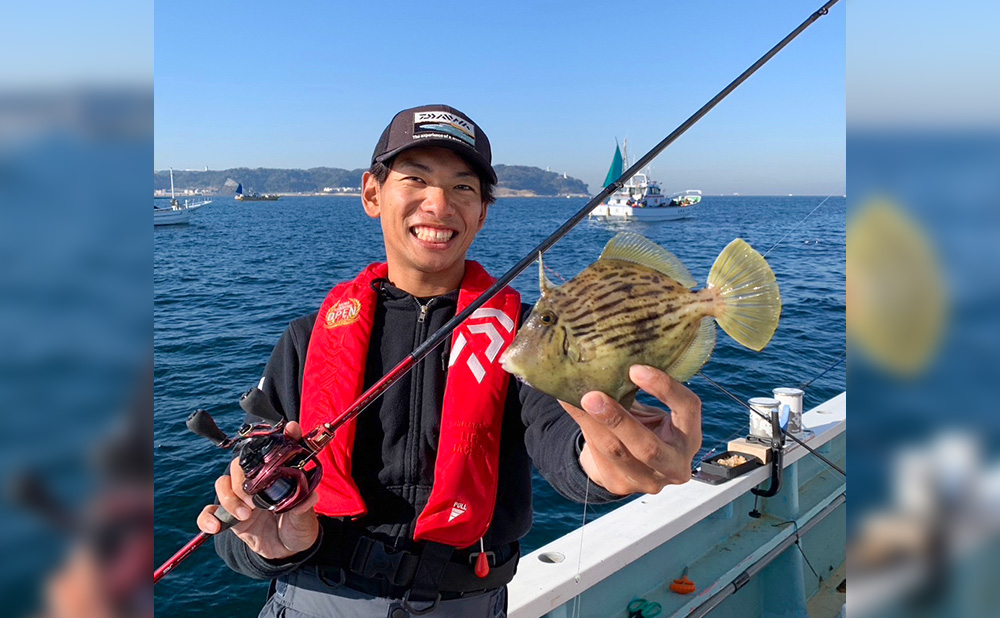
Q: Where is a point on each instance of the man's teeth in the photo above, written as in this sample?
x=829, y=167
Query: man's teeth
x=430, y=234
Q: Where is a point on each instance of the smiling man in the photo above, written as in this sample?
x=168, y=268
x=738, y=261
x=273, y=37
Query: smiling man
x=431, y=207
x=425, y=495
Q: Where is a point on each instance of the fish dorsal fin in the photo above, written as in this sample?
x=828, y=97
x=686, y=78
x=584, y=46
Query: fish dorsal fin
x=630, y=247
x=696, y=354
x=544, y=285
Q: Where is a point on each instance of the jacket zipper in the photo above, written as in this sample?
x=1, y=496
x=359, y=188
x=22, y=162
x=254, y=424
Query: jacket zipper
x=423, y=310
x=416, y=403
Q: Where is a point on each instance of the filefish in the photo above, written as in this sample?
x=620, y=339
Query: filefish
x=636, y=305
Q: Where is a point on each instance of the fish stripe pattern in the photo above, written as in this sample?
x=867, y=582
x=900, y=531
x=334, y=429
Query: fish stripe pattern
x=636, y=305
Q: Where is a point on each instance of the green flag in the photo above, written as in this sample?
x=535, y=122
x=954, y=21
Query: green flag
x=616, y=168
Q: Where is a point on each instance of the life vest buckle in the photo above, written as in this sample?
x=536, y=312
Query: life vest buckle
x=370, y=559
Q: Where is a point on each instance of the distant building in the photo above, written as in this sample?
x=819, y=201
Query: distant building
x=341, y=189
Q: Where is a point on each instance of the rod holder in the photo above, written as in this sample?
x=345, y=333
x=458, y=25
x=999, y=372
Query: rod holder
x=777, y=459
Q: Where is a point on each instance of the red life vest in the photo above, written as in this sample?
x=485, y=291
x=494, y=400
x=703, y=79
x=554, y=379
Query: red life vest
x=462, y=500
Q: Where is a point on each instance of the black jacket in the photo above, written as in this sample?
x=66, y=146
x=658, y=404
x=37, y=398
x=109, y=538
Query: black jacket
x=397, y=436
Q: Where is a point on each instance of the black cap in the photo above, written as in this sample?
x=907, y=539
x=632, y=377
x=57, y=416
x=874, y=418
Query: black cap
x=436, y=125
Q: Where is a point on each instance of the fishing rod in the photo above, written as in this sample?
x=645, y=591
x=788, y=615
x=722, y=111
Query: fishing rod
x=786, y=433
x=801, y=386
x=290, y=488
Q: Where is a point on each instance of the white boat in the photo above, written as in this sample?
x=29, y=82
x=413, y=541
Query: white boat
x=641, y=198
x=742, y=553
x=686, y=198
x=176, y=213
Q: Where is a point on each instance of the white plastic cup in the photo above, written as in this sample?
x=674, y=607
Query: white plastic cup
x=760, y=426
x=792, y=397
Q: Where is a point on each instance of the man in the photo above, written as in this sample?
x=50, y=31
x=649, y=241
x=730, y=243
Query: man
x=426, y=493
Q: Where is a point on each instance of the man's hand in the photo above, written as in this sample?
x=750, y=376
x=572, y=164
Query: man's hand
x=644, y=449
x=271, y=536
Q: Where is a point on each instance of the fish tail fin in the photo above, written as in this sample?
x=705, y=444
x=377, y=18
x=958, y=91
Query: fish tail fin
x=749, y=301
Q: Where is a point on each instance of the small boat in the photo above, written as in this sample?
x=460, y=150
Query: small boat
x=176, y=213
x=686, y=198
x=641, y=198
x=252, y=196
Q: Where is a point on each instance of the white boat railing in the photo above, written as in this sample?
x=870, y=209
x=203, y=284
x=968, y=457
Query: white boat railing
x=637, y=549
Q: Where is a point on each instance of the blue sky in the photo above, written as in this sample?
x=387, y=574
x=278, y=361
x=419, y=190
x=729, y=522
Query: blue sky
x=553, y=84
x=925, y=65
x=67, y=44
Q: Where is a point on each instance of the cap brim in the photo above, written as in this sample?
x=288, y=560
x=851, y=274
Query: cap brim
x=472, y=157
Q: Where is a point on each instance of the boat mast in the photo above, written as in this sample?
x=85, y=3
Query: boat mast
x=173, y=200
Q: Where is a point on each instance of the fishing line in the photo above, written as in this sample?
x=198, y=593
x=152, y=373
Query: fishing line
x=553, y=272
x=736, y=433
x=805, y=557
x=762, y=415
x=327, y=430
x=740, y=431
x=432, y=342
x=579, y=560
x=797, y=225
x=837, y=362
x=803, y=385
x=798, y=537
x=423, y=350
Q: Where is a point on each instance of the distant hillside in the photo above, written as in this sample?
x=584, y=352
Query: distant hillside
x=514, y=180
x=522, y=178
x=260, y=179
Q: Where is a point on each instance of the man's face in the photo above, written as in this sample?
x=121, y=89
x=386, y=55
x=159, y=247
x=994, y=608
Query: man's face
x=431, y=208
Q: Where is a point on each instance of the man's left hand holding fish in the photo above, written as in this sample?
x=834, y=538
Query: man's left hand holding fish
x=642, y=449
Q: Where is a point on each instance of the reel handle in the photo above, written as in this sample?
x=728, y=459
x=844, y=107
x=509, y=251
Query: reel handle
x=202, y=424
x=256, y=403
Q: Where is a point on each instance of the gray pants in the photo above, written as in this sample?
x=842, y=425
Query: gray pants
x=304, y=594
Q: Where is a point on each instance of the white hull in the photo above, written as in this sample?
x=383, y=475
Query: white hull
x=179, y=214
x=170, y=217
x=629, y=213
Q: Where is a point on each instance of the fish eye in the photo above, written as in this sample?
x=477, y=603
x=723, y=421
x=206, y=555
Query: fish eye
x=547, y=318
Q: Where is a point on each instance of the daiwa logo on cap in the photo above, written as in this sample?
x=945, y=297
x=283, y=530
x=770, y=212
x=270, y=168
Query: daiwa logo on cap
x=443, y=124
x=343, y=313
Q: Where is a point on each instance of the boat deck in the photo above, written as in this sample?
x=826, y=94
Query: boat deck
x=640, y=548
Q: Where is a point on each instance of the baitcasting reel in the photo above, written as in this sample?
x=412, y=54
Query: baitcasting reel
x=275, y=466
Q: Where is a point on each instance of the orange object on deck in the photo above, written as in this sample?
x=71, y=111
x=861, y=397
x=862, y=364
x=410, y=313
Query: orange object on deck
x=683, y=585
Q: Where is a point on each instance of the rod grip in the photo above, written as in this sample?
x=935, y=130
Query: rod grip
x=227, y=519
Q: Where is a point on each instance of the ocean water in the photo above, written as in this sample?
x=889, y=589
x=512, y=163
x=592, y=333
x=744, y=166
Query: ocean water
x=226, y=285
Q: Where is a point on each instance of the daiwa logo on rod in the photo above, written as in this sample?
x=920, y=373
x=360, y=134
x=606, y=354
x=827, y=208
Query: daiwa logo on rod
x=343, y=313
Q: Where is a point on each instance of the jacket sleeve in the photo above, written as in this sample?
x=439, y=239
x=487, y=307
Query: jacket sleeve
x=286, y=367
x=282, y=385
x=554, y=441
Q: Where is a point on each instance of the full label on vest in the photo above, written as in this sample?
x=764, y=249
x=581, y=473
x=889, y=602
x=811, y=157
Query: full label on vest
x=463, y=498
